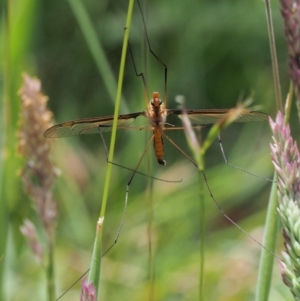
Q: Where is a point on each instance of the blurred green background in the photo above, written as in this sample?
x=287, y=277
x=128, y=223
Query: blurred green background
x=215, y=51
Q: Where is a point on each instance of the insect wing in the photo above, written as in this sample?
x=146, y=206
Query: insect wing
x=210, y=116
x=90, y=125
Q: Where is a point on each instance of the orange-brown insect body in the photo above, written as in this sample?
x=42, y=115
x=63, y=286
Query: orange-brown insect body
x=157, y=115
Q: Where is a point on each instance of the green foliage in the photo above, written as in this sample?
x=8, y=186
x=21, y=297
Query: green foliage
x=215, y=51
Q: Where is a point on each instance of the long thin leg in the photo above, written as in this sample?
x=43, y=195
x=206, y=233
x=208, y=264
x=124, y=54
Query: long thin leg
x=237, y=167
x=172, y=128
x=176, y=146
x=141, y=74
x=126, y=196
x=128, y=168
x=153, y=53
x=214, y=200
x=69, y=288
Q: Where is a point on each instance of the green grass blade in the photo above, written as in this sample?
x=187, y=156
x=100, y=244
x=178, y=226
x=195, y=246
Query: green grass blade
x=96, y=48
x=270, y=238
x=202, y=234
x=97, y=252
x=274, y=56
x=271, y=226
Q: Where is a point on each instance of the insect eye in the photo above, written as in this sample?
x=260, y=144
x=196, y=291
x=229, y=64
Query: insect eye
x=156, y=102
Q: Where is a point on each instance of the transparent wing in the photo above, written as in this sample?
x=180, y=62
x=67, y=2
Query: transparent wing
x=211, y=116
x=90, y=125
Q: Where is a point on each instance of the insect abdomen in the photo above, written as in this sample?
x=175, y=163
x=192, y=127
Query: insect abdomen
x=159, y=147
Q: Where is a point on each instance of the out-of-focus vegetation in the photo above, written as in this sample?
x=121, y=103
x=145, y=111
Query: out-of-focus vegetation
x=215, y=51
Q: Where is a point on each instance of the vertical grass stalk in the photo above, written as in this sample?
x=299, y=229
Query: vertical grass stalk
x=269, y=241
x=202, y=233
x=273, y=56
x=271, y=225
x=198, y=155
x=94, y=275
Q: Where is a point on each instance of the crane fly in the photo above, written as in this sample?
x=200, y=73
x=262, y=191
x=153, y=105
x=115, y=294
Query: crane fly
x=156, y=114
x=157, y=122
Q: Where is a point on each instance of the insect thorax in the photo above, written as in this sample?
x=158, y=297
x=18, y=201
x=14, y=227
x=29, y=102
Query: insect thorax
x=156, y=112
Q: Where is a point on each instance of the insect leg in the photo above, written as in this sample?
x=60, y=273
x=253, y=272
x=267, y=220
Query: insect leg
x=215, y=201
x=127, y=188
x=237, y=167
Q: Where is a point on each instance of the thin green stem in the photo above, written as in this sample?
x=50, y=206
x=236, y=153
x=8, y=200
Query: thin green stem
x=274, y=56
x=94, y=276
x=271, y=225
x=202, y=234
x=269, y=241
x=117, y=108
